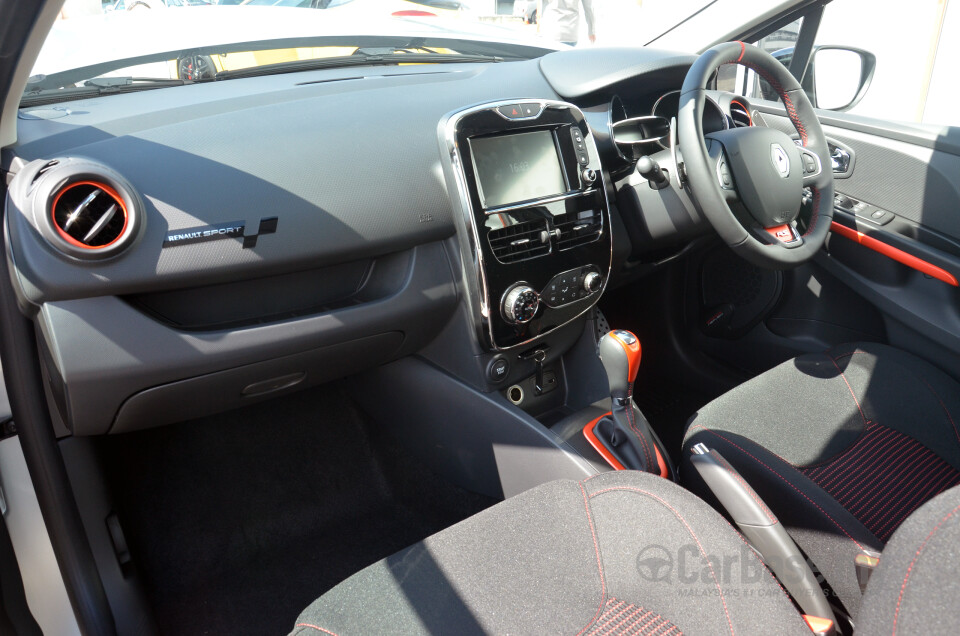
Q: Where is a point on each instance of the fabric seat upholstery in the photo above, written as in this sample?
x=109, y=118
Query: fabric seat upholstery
x=843, y=446
x=623, y=552
x=917, y=574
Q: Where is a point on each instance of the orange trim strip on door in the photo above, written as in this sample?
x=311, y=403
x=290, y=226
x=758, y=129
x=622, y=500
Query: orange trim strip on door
x=896, y=254
x=608, y=456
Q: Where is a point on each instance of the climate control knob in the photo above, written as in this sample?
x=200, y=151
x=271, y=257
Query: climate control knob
x=520, y=304
x=592, y=282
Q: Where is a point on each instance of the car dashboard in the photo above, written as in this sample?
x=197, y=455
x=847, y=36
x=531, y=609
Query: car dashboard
x=189, y=250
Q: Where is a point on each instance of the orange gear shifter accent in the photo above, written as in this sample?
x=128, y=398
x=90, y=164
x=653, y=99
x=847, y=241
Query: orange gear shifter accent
x=623, y=437
x=633, y=351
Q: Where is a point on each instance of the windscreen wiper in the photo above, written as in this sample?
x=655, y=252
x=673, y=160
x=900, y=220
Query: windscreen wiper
x=100, y=86
x=360, y=58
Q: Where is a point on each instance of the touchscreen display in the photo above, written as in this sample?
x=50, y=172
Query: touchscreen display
x=512, y=168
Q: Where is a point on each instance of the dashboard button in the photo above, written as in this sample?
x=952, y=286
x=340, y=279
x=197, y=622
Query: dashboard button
x=592, y=282
x=512, y=111
x=530, y=110
x=499, y=369
x=520, y=304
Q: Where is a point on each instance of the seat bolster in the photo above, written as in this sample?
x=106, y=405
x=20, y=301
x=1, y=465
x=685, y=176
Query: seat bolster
x=915, y=587
x=820, y=526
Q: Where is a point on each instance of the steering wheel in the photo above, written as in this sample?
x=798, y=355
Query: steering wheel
x=749, y=182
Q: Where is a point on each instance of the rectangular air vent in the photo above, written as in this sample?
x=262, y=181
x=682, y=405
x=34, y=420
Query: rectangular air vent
x=578, y=228
x=520, y=242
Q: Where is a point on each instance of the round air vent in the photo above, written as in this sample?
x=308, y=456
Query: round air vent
x=89, y=215
x=84, y=209
x=740, y=115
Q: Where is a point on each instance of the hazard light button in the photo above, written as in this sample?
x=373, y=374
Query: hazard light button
x=511, y=111
x=519, y=111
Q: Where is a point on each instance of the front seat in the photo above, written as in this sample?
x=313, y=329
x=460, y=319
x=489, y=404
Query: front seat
x=623, y=552
x=842, y=445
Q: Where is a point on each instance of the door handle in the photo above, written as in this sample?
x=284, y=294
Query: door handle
x=840, y=159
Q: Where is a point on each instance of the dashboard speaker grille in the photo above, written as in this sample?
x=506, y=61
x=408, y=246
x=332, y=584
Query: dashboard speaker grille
x=89, y=215
x=520, y=242
x=578, y=228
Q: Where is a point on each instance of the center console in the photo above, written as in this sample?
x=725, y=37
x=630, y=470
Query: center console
x=534, y=222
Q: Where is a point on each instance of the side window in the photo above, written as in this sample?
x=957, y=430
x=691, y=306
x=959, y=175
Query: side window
x=915, y=74
x=877, y=58
x=780, y=44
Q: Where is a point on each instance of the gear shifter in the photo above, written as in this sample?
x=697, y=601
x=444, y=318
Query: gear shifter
x=625, y=433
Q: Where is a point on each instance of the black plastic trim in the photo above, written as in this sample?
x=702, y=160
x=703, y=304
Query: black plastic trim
x=18, y=350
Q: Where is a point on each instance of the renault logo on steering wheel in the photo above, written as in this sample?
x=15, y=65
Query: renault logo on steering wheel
x=780, y=160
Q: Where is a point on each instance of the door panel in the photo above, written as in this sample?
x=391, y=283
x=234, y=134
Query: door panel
x=918, y=183
x=906, y=261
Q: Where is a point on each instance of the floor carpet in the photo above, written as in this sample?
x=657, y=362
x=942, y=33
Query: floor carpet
x=237, y=522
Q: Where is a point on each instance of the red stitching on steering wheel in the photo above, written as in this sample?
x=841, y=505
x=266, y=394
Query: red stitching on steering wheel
x=787, y=102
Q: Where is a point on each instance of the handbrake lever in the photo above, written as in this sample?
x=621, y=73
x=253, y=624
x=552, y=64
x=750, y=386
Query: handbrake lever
x=764, y=531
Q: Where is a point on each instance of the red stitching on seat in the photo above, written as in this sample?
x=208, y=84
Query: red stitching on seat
x=829, y=474
x=894, y=517
x=943, y=406
x=651, y=618
x=905, y=473
x=325, y=631
x=626, y=608
x=596, y=547
x=882, y=477
x=883, y=451
x=936, y=395
x=940, y=486
x=750, y=491
x=844, y=376
x=906, y=577
x=703, y=552
x=621, y=617
x=612, y=627
x=784, y=479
